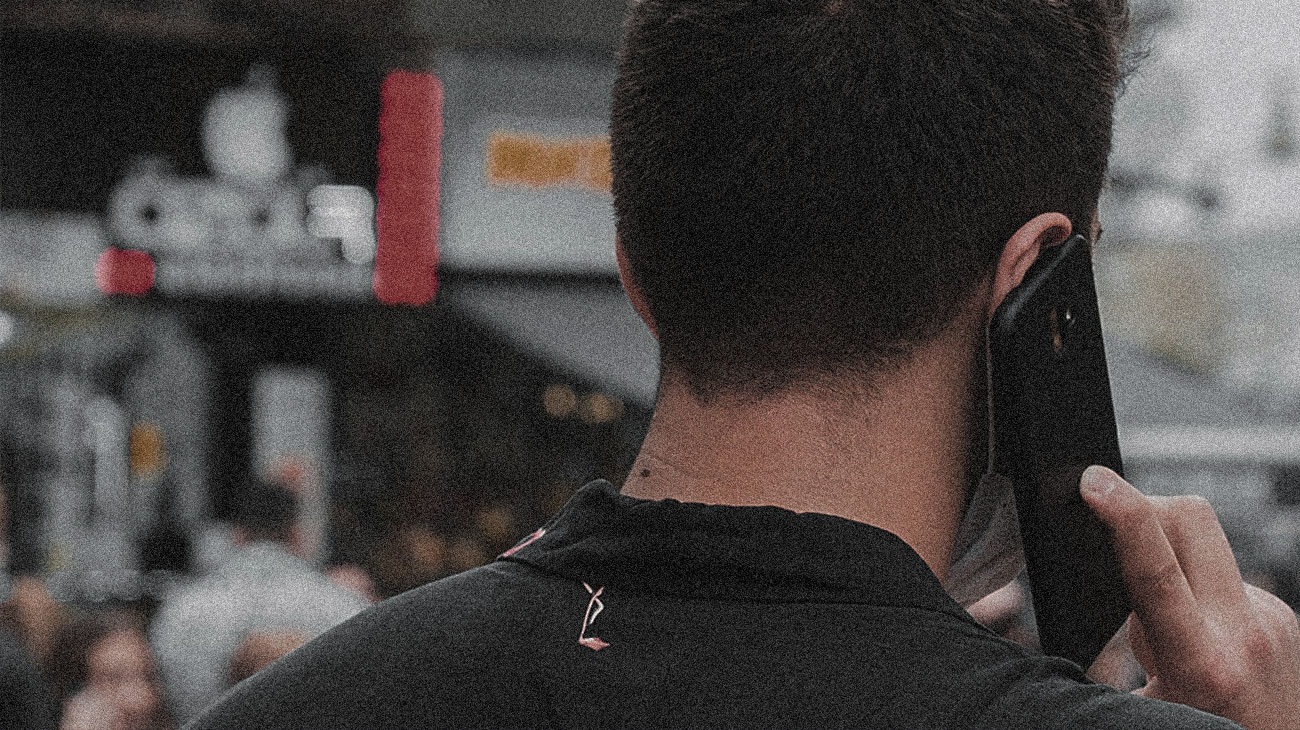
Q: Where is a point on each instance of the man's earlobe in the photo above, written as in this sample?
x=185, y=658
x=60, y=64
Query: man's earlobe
x=633, y=290
x=1021, y=251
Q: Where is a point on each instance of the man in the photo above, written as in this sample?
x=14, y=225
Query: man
x=25, y=700
x=820, y=203
x=263, y=598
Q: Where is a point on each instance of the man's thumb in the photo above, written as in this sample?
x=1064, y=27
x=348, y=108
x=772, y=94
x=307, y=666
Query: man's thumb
x=1108, y=494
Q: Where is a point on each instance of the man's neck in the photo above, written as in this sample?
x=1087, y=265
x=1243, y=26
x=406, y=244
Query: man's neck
x=898, y=461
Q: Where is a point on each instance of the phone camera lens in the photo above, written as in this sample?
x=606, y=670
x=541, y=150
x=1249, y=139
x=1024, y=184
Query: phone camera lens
x=1058, y=328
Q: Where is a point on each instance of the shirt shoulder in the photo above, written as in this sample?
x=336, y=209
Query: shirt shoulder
x=1051, y=693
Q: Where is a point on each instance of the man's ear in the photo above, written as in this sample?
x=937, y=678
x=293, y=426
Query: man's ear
x=1022, y=249
x=633, y=291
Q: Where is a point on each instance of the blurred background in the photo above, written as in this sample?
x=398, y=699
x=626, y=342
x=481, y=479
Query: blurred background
x=195, y=296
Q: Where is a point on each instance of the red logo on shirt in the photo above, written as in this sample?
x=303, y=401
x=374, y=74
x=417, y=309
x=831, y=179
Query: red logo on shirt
x=594, y=607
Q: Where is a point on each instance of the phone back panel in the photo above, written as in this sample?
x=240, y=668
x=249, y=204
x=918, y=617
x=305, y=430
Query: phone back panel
x=1053, y=417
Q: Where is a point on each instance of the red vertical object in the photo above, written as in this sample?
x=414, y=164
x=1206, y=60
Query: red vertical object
x=124, y=271
x=406, y=218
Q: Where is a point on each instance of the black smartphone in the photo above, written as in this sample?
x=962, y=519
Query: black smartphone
x=1052, y=416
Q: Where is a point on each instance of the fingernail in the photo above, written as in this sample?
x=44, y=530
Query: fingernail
x=1097, y=481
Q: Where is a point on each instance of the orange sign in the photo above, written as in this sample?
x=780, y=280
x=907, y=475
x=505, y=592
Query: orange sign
x=147, y=455
x=547, y=162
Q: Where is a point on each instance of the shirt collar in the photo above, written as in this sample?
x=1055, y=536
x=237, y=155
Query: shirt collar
x=767, y=554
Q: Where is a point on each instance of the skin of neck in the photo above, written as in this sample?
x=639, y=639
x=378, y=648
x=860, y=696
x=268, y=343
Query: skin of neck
x=898, y=459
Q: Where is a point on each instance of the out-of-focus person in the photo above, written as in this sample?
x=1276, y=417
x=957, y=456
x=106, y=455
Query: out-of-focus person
x=35, y=614
x=166, y=545
x=259, y=649
x=410, y=556
x=25, y=700
x=106, y=675
x=466, y=552
x=354, y=578
x=495, y=524
x=265, y=588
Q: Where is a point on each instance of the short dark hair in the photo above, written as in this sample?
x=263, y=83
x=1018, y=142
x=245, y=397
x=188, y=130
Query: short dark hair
x=811, y=187
x=266, y=511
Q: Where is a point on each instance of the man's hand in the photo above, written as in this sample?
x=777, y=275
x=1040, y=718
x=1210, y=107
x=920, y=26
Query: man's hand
x=1204, y=637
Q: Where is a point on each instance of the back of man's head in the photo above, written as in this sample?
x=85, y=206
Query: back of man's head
x=812, y=187
x=266, y=511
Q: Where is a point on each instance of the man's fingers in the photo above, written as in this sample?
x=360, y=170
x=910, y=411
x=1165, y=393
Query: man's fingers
x=1137, y=641
x=1197, y=538
x=1162, y=597
x=1212, y=643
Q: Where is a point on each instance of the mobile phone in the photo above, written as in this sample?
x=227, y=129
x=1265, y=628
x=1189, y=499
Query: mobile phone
x=1052, y=417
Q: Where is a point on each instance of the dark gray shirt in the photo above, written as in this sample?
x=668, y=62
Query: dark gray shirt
x=25, y=700
x=625, y=612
